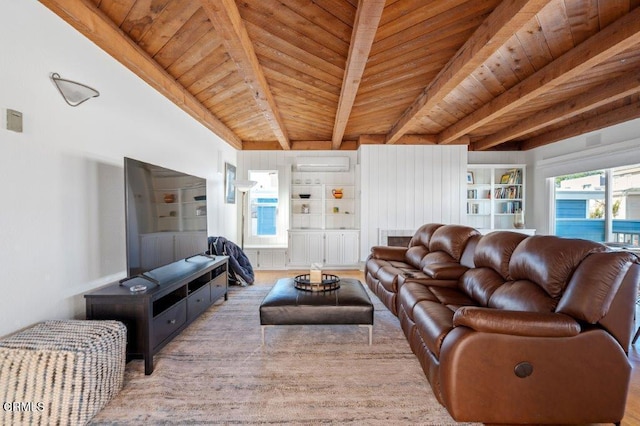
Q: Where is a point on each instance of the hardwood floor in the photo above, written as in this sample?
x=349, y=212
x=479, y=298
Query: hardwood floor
x=632, y=412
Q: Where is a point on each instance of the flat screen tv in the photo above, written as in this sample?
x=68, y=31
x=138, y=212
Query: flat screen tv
x=166, y=215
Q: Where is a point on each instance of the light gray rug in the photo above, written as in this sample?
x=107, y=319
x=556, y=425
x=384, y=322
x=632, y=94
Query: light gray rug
x=217, y=372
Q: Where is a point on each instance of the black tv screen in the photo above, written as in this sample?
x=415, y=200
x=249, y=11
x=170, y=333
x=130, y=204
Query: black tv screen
x=166, y=215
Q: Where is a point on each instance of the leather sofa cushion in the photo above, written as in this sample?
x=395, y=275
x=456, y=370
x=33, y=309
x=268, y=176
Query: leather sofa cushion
x=592, y=288
x=433, y=322
x=423, y=234
x=494, y=251
x=373, y=265
x=480, y=283
x=549, y=261
x=445, y=271
x=451, y=239
x=516, y=323
x=469, y=251
x=415, y=255
x=522, y=295
x=437, y=257
x=388, y=253
x=388, y=277
x=452, y=297
x=411, y=294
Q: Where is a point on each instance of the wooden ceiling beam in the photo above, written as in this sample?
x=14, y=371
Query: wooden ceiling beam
x=404, y=140
x=261, y=146
x=503, y=22
x=600, y=95
x=610, y=118
x=364, y=30
x=93, y=24
x=610, y=41
x=297, y=145
x=226, y=20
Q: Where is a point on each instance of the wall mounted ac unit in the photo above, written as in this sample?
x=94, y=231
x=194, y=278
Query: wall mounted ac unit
x=322, y=164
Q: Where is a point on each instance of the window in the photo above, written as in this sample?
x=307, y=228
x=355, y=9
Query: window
x=600, y=205
x=263, y=203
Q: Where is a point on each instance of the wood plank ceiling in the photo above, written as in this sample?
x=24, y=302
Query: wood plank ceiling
x=334, y=74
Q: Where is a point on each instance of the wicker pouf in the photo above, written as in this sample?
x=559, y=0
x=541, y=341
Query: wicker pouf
x=61, y=371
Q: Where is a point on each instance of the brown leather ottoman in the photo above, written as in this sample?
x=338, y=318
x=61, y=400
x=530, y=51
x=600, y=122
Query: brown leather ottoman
x=286, y=305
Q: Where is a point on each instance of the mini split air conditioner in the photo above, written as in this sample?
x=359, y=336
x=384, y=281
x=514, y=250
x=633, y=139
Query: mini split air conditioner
x=322, y=164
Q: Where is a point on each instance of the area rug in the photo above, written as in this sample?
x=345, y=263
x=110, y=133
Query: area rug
x=218, y=372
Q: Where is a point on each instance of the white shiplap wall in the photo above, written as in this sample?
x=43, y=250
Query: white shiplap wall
x=404, y=187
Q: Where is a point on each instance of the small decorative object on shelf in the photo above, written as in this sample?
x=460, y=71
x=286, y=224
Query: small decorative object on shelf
x=518, y=219
x=329, y=282
x=337, y=193
x=169, y=198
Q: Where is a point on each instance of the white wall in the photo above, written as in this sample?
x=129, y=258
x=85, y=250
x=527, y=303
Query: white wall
x=62, y=208
x=404, y=187
x=610, y=147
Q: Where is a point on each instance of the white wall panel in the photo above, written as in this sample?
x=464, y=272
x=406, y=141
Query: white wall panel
x=404, y=187
x=62, y=214
x=610, y=147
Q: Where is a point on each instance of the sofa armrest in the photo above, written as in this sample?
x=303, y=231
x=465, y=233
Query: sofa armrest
x=445, y=271
x=388, y=253
x=516, y=323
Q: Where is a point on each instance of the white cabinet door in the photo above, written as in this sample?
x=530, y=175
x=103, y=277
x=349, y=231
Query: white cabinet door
x=265, y=259
x=333, y=248
x=252, y=254
x=306, y=248
x=279, y=259
x=342, y=248
x=298, y=248
x=350, y=248
x=315, y=245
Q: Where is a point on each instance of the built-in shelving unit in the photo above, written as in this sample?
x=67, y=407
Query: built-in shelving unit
x=324, y=225
x=496, y=196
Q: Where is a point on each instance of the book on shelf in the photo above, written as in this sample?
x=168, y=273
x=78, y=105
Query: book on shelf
x=508, y=192
x=512, y=177
x=511, y=207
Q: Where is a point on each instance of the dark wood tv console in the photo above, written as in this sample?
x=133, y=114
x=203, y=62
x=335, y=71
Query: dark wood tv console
x=176, y=295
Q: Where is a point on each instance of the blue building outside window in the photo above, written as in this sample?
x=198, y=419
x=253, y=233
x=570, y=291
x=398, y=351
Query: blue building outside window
x=266, y=216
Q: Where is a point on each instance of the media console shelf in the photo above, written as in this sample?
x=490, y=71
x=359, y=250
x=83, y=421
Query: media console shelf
x=153, y=317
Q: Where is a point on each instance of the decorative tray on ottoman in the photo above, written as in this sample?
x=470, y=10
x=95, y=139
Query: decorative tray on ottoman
x=329, y=282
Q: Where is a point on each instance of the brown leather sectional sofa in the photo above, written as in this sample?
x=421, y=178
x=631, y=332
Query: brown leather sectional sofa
x=512, y=328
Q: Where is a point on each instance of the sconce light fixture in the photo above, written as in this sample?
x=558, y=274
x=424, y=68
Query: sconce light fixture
x=74, y=93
